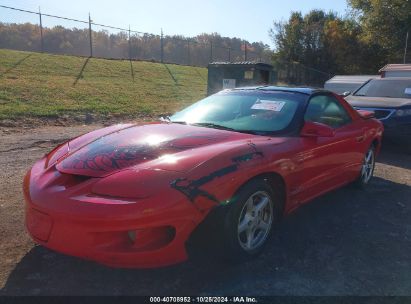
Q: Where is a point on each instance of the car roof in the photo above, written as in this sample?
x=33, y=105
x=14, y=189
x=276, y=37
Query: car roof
x=302, y=90
x=392, y=78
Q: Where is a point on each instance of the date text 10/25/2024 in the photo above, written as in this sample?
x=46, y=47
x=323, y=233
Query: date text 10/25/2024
x=203, y=299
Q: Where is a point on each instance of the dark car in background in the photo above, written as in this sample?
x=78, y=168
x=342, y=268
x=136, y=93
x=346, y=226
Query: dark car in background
x=390, y=100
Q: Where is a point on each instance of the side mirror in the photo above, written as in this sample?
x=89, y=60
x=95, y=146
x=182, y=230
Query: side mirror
x=366, y=114
x=316, y=129
x=345, y=94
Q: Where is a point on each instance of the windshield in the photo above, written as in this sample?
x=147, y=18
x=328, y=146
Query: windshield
x=394, y=88
x=242, y=111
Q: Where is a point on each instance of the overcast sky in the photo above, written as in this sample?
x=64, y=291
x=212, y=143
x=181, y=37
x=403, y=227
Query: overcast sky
x=250, y=20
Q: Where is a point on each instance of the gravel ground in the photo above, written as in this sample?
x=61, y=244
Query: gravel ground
x=348, y=242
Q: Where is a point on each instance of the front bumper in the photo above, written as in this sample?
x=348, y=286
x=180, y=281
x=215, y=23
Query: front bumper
x=141, y=234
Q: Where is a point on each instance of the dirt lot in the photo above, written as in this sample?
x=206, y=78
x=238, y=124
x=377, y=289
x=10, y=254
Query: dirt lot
x=349, y=242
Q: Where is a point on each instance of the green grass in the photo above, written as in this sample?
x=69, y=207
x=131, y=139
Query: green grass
x=35, y=84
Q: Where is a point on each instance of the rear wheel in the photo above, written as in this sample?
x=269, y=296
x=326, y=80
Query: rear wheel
x=249, y=222
x=367, y=168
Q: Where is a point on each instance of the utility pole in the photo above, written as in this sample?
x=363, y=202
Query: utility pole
x=89, y=33
x=188, y=51
x=129, y=42
x=406, y=47
x=211, y=51
x=229, y=54
x=41, y=32
x=245, y=50
x=162, y=46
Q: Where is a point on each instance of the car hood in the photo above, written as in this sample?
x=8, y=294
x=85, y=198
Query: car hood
x=162, y=146
x=377, y=102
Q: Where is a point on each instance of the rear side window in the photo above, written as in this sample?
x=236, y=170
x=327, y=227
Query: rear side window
x=327, y=110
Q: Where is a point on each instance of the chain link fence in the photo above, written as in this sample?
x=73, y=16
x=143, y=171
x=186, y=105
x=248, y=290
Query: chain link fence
x=61, y=35
x=295, y=73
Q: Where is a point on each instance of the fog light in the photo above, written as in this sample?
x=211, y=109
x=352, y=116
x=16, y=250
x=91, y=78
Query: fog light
x=151, y=238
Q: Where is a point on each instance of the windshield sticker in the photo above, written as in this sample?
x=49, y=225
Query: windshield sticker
x=268, y=105
x=408, y=91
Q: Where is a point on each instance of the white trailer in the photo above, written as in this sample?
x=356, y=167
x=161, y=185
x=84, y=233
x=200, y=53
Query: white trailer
x=340, y=84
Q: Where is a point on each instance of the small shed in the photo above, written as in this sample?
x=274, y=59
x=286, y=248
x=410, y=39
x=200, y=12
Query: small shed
x=347, y=83
x=228, y=75
x=396, y=70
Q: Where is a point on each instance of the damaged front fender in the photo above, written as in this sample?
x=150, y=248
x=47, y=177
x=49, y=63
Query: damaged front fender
x=216, y=180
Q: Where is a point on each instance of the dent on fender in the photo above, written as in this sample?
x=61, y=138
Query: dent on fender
x=191, y=188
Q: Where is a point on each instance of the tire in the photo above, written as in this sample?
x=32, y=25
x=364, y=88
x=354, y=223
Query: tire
x=249, y=221
x=367, y=168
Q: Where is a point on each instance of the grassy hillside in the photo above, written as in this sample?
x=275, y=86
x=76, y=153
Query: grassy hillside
x=34, y=84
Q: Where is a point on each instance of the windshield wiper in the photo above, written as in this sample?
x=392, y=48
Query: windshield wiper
x=213, y=125
x=216, y=126
x=167, y=119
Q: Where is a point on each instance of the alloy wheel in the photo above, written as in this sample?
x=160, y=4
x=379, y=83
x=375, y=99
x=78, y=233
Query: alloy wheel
x=368, y=166
x=255, y=221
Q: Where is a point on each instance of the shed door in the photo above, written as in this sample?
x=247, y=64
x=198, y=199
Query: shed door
x=265, y=76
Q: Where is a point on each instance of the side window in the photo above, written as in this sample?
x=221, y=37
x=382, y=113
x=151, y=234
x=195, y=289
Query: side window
x=327, y=110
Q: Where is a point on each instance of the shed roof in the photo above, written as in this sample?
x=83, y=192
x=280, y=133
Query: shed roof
x=241, y=63
x=395, y=67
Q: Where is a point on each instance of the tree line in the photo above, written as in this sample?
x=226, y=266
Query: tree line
x=199, y=50
x=309, y=48
x=372, y=34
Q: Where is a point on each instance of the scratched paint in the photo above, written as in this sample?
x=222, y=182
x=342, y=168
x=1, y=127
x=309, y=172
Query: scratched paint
x=192, y=189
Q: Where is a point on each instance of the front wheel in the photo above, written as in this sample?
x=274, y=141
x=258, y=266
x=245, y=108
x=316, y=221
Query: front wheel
x=367, y=168
x=249, y=221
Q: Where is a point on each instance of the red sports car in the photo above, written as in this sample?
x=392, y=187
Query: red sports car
x=131, y=195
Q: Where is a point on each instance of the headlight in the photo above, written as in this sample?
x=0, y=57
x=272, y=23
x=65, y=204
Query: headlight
x=135, y=183
x=54, y=155
x=403, y=112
